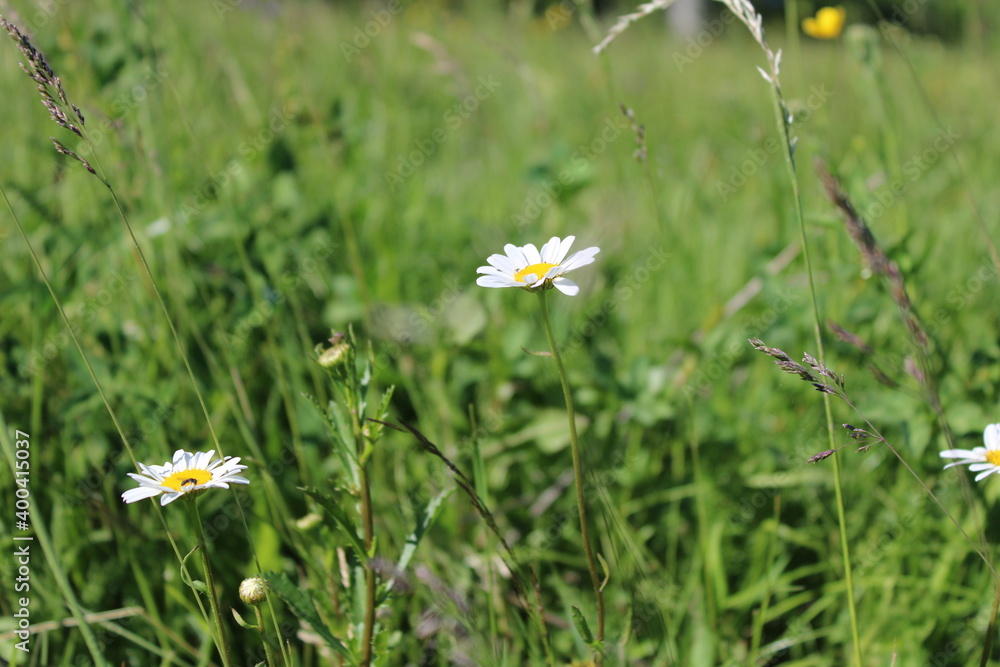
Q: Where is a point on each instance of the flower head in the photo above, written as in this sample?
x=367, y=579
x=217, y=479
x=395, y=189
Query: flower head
x=827, y=24
x=253, y=591
x=187, y=473
x=984, y=460
x=532, y=269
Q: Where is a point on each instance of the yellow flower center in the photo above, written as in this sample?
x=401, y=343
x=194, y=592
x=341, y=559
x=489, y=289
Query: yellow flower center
x=993, y=456
x=184, y=479
x=538, y=270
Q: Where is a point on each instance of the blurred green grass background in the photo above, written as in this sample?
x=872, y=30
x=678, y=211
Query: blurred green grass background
x=255, y=154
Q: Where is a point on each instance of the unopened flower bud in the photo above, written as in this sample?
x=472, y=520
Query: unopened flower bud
x=253, y=591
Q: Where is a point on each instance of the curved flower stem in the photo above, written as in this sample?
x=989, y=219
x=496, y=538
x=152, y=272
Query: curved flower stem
x=213, y=598
x=577, y=473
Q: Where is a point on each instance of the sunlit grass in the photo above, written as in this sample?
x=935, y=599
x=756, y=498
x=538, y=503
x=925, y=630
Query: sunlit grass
x=247, y=151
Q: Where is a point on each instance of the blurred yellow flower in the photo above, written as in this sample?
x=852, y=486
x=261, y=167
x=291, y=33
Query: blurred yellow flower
x=827, y=24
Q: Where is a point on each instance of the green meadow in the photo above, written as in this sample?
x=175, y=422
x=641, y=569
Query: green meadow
x=267, y=175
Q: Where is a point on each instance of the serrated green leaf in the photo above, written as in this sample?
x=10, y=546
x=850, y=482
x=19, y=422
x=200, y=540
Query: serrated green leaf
x=581, y=626
x=336, y=427
x=339, y=517
x=301, y=604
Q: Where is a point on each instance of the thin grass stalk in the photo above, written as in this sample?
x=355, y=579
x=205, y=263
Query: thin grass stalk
x=991, y=628
x=701, y=509
x=761, y=617
x=213, y=598
x=481, y=486
x=577, y=474
x=745, y=11
x=782, y=120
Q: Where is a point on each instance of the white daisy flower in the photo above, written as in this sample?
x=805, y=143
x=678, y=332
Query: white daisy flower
x=984, y=460
x=187, y=473
x=532, y=269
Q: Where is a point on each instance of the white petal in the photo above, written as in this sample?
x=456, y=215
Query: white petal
x=140, y=493
x=503, y=263
x=532, y=279
x=496, y=281
x=235, y=479
x=566, y=286
x=981, y=465
x=169, y=498
x=582, y=258
x=960, y=454
x=550, y=251
x=987, y=473
x=991, y=436
x=563, y=249
x=516, y=255
x=554, y=272
x=531, y=254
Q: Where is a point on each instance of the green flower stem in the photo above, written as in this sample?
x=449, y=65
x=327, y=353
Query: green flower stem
x=213, y=598
x=369, y=528
x=263, y=637
x=577, y=472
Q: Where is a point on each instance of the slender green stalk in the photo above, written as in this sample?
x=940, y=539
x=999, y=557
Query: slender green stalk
x=213, y=598
x=781, y=115
x=263, y=637
x=369, y=528
x=577, y=473
x=366, y=516
x=991, y=628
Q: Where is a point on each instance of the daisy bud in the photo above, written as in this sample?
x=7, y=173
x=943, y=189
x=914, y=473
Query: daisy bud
x=253, y=591
x=334, y=356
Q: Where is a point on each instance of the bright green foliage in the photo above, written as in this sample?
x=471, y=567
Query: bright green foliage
x=284, y=180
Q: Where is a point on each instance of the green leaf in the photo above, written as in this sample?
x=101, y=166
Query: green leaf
x=196, y=584
x=427, y=518
x=581, y=626
x=336, y=426
x=340, y=518
x=301, y=604
x=242, y=622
